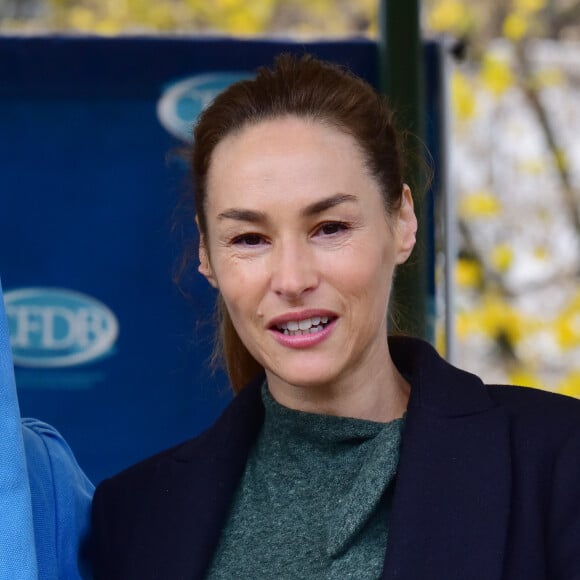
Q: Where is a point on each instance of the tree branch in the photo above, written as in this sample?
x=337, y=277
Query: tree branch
x=533, y=97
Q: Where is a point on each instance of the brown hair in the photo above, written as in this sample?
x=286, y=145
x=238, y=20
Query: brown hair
x=308, y=88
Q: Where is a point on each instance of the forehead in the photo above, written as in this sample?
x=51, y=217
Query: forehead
x=284, y=134
x=286, y=158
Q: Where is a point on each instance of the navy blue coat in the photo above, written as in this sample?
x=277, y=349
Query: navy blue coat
x=488, y=486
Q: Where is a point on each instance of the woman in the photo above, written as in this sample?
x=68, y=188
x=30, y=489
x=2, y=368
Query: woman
x=303, y=216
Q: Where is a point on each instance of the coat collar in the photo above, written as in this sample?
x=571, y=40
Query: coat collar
x=450, y=508
x=451, y=502
x=437, y=386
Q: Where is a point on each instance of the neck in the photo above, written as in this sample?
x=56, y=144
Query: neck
x=380, y=397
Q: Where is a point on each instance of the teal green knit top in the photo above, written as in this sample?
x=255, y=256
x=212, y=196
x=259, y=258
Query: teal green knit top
x=313, y=502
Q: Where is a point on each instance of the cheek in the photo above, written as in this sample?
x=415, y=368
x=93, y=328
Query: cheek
x=233, y=295
x=365, y=271
x=241, y=311
x=366, y=286
x=231, y=272
x=242, y=289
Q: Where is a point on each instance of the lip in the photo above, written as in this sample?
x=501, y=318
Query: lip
x=302, y=341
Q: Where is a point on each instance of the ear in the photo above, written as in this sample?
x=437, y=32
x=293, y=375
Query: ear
x=204, y=267
x=406, y=226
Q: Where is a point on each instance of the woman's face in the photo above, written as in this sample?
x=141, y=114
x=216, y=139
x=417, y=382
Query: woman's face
x=303, y=252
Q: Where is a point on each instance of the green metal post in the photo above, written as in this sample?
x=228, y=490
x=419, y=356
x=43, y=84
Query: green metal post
x=402, y=80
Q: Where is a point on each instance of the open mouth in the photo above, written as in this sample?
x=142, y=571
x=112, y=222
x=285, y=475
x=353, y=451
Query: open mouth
x=306, y=326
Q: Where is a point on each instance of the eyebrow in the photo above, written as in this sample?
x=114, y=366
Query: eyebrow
x=253, y=216
x=243, y=215
x=328, y=203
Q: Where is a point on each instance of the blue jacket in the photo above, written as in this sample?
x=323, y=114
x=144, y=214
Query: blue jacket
x=44, y=495
x=61, y=498
x=488, y=486
x=17, y=549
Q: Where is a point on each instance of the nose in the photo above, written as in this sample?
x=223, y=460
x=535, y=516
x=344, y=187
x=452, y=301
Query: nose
x=294, y=271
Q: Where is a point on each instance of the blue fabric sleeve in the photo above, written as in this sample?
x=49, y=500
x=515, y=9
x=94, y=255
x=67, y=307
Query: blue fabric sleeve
x=17, y=553
x=61, y=497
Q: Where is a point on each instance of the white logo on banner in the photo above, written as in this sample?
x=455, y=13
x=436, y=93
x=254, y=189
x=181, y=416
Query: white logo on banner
x=182, y=102
x=56, y=327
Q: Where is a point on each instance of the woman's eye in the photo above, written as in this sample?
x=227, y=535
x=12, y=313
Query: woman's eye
x=248, y=240
x=330, y=228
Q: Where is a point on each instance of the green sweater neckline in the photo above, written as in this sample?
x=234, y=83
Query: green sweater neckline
x=314, y=500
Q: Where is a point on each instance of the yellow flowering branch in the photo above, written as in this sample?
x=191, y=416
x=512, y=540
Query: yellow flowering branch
x=531, y=91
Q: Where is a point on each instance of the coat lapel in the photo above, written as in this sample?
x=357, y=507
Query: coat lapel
x=451, y=503
x=201, y=480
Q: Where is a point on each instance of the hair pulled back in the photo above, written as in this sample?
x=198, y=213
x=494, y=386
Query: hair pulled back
x=307, y=88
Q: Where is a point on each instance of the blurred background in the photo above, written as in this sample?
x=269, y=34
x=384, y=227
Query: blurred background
x=513, y=153
x=515, y=150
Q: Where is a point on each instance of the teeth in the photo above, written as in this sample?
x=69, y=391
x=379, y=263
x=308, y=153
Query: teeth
x=306, y=326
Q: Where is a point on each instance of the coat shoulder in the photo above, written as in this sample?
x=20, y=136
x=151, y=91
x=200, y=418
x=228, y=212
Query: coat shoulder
x=528, y=399
x=146, y=468
x=538, y=412
x=233, y=431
